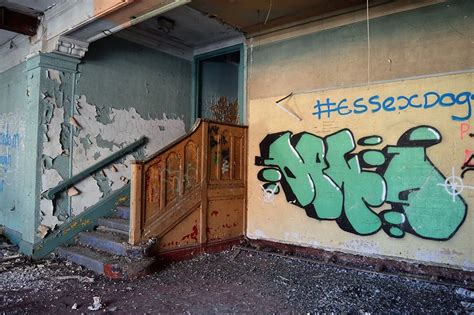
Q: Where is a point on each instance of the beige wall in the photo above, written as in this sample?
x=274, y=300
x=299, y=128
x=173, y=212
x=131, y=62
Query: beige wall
x=329, y=199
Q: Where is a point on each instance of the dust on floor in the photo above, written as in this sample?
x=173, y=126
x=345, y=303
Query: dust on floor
x=234, y=281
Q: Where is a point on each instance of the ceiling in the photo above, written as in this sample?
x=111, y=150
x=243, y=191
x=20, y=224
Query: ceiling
x=27, y=6
x=201, y=23
x=180, y=31
x=252, y=16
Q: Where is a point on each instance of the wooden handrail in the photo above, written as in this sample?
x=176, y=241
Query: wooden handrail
x=193, y=129
x=51, y=193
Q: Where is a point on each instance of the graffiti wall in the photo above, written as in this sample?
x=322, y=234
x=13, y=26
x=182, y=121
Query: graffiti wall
x=385, y=169
x=11, y=130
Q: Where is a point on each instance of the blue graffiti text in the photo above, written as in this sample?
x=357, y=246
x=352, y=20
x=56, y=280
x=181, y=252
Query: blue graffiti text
x=376, y=103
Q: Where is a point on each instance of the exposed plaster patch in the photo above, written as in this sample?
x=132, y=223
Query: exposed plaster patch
x=364, y=246
x=53, y=119
x=42, y=231
x=115, y=173
x=107, y=130
x=428, y=255
x=73, y=191
x=468, y=265
x=257, y=234
x=54, y=75
x=90, y=194
x=50, y=178
x=74, y=122
x=52, y=147
x=295, y=237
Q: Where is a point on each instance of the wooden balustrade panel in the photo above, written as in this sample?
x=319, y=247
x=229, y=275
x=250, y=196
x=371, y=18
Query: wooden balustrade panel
x=226, y=154
x=191, y=166
x=238, y=158
x=172, y=177
x=181, y=207
x=152, y=189
x=214, y=152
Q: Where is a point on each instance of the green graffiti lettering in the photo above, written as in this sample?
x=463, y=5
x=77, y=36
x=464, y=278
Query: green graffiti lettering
x=326, y=178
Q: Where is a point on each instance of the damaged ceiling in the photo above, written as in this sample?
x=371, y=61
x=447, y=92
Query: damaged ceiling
x=179, y=32
x=187, y=29
x=254, y=16
x=19, y=23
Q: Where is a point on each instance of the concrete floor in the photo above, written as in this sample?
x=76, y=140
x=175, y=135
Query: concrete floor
x=230, y=282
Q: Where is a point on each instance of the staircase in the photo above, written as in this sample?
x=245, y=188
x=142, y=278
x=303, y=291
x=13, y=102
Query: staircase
x=105, y=250
x=190, y=197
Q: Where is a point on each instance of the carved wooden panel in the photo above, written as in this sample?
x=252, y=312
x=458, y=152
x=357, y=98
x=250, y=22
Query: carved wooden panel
x=172, y=187
x=172, y=177
x=191, y=166
x=225, y=155
x=237, y=157
x=214, y=139
x=152, y=189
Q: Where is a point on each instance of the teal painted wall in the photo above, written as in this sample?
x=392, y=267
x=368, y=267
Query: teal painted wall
x=120, y=80
x=218, y=79
x=120, y=74
x=19, y=95
x=121, y=92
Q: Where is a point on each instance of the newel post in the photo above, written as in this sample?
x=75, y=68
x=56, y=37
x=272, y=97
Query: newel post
x=136, y=203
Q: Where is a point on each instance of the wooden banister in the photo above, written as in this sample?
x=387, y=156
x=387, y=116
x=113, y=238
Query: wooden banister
x=174, y=182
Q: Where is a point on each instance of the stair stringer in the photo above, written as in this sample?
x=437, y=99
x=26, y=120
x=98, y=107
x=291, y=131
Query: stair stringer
x=174, y=215
x=87, y=220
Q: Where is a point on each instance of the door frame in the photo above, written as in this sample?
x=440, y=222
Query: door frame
x=241, y=80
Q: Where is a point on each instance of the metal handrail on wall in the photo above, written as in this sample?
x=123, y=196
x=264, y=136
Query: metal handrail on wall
x=51, y=193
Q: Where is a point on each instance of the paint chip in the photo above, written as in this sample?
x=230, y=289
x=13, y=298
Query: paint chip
x=73, y=191
x=74, y=122
x=52, y=147
x=42, y=231
x=53, y=75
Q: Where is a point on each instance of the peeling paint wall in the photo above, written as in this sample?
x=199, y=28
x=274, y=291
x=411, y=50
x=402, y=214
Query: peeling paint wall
x=96, y=140
x=56, y=100
x=377, y=169
x=116, y=73
x=56, y=119
x=121, y=92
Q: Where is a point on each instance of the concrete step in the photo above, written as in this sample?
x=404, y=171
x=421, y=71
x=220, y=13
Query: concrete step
x=117, y=224
x=106, y=264
x=122, y=212
x=113, y=243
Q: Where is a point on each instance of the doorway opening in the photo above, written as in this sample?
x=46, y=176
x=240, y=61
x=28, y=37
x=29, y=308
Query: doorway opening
x=219, y=85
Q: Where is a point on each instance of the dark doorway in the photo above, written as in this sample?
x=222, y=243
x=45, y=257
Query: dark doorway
x=218, y=86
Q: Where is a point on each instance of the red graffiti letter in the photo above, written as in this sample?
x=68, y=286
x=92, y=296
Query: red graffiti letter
x=464, y=129
x=468, y=158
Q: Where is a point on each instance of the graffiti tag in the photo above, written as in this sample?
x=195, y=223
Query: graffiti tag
x=376, y=103
x=9, y=140
x=330, y=182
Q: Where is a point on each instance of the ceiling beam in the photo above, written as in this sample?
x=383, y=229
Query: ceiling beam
x=18, y=22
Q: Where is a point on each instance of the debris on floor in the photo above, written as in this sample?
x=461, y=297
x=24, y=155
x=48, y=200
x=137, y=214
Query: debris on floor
x=234, y=281
x=97, y=305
